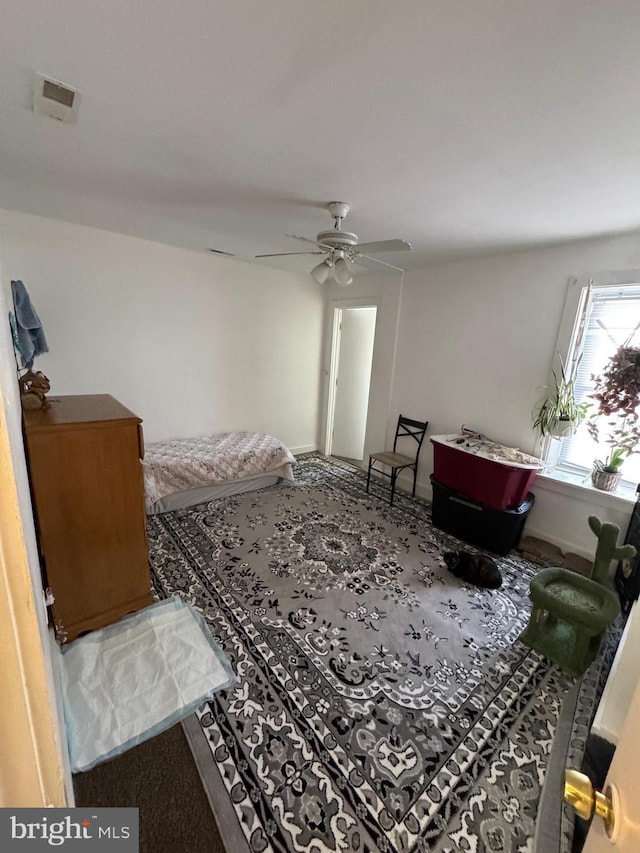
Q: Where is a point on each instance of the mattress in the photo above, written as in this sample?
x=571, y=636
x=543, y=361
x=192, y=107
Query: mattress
x=184, y=472
x=193, y=497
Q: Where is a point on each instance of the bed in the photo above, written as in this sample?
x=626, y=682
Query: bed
x=184, y=472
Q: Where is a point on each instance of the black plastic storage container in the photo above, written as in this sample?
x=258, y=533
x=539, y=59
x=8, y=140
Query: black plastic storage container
x=497, y=530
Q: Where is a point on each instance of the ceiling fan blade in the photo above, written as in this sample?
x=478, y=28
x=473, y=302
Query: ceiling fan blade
x=282, y=254
x=306, y=239
x=324, y=246
x=373, y=263
x=385, y=246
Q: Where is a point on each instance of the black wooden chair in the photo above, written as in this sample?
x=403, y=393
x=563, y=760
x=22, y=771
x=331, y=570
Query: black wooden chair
x=398, y=461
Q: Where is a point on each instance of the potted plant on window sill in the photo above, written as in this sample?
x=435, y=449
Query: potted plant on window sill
x=617, y=394
x=558, y=414
x=606, y=475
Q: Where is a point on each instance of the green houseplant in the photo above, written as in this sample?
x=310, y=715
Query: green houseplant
x=617, y=395
x=558, y=414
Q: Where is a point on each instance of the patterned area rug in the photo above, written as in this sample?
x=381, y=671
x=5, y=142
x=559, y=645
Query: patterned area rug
x=382, y=704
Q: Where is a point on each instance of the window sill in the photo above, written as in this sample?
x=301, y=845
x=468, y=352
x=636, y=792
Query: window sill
x=574, y=485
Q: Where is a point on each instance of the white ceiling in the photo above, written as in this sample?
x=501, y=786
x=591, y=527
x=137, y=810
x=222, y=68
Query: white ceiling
x=462, y=126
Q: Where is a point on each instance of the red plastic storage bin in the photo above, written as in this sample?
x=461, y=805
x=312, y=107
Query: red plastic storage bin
x=469, y=471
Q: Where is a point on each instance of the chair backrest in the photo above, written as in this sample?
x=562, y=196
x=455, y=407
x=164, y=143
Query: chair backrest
x=414, y=429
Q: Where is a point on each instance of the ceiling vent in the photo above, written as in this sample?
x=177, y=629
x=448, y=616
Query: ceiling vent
x=55, y=99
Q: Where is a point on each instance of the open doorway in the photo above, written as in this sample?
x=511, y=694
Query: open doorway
x=350, y=379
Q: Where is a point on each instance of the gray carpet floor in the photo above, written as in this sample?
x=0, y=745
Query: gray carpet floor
x=158, y=777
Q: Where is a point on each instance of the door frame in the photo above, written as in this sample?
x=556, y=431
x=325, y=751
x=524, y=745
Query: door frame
x=34, y=758
x=31, y=756
x=336, y=307
x=334, y=366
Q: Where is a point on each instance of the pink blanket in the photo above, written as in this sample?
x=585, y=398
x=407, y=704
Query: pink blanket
x=187, y=463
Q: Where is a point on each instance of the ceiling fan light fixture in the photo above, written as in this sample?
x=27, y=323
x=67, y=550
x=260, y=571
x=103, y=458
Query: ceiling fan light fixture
x=345, y=280
x=321, y=272
x=341, y=272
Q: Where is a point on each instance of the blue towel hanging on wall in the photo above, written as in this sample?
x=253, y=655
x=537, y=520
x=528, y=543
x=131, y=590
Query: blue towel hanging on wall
x=30, y=334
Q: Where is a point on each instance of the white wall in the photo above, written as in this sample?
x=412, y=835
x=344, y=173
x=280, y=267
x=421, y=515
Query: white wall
x=192, y=343
x=476, y=343
x=196, y=343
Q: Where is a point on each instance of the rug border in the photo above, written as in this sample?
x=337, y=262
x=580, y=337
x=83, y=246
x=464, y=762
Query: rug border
x=231, y=834
x=547, y=837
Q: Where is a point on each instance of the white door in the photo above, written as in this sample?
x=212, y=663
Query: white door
x=622, y=778
x=353, y=378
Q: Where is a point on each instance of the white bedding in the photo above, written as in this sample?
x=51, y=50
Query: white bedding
x=183, y=472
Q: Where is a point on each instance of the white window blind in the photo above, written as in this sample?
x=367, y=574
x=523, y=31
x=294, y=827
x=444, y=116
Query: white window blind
x=613, y=317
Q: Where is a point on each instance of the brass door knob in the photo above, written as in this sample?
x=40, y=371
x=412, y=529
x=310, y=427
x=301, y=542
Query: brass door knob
x=580, y=794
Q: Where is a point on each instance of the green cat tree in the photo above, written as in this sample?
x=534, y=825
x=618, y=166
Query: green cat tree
x=570, y=612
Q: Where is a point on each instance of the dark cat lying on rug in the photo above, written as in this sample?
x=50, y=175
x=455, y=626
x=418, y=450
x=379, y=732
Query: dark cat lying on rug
x=474, y=568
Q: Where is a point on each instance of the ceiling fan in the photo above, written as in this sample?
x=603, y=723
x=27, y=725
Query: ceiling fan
x=342, y=248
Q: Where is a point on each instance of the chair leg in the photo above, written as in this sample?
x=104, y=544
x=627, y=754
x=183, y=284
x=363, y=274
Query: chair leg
x=415, y=474
x=369, y=473
x=394, y=474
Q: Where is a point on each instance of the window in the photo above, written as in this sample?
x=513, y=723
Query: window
x=605, y=315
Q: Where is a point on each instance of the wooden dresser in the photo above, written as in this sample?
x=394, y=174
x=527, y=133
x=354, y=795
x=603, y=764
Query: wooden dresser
x=84, y=457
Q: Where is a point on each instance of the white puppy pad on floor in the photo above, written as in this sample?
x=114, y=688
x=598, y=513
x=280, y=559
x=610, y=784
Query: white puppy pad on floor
x=129, y=681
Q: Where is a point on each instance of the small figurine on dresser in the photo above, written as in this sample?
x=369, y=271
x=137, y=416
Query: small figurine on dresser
x=33, y=388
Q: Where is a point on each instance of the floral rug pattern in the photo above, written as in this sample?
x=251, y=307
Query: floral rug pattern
x=382, y=704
